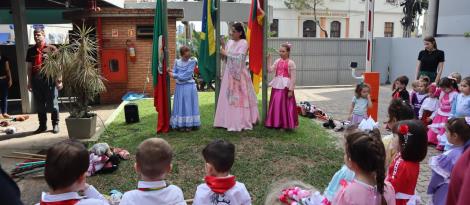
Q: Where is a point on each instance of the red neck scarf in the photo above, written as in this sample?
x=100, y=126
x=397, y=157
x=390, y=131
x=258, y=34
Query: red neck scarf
x=38, y=58
x=65, y=202
x=220, y=185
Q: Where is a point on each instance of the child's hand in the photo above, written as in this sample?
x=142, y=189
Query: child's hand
x=290, y=93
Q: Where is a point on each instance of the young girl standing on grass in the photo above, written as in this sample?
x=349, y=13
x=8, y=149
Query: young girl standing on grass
x=399, y=89
x=185, y=115
x=404, y=170
x=365, y=156
x=282, y=106
x=458, y=130
x=361, y=101
x=436, y=132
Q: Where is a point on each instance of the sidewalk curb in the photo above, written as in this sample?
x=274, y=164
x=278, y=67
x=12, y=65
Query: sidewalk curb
x=108, y=121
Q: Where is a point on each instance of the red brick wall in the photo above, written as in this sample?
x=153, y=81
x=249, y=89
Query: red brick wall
x=137, y=72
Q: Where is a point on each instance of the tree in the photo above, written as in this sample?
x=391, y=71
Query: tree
x=307, y=5
x=412, y=9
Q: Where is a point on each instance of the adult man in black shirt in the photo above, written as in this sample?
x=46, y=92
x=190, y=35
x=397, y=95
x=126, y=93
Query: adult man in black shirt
x=45, y=91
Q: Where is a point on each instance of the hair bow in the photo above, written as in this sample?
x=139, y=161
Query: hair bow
x=404, y=130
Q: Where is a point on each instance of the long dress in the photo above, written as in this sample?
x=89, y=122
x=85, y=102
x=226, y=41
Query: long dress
x=358, y=193
x=441, y=167
x=436, y=131
x=185, y=103
x=282, y=108
x=237, y=107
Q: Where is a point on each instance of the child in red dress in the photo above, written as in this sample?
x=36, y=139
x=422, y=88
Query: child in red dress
x=404, y=170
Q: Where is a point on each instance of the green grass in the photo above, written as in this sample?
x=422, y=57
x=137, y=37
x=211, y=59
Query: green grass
x=263, y=155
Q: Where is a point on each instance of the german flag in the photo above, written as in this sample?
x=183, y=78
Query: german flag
x=255, y=41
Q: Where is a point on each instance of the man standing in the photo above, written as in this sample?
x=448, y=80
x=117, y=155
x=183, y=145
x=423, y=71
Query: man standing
x=45, y=90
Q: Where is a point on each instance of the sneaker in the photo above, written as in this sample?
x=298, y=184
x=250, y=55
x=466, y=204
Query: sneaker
x=41, y=129
x=55, y=129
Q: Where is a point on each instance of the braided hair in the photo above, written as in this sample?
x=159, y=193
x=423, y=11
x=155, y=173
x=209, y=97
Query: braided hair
x=365, y=148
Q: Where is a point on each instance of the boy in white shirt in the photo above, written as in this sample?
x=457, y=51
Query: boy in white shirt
x=220, y=187
x=153, y=162
x=65, y=173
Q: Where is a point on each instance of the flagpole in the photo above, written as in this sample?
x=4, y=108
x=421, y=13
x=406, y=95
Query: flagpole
x=217, y=51
x=165, y=36
x=264, y=85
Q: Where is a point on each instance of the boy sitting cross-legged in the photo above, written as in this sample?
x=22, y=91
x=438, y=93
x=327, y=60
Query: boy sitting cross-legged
x=153, y=162
x=65, y=173
x=220, y=186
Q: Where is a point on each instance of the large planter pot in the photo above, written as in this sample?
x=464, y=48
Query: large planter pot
x=81, y=128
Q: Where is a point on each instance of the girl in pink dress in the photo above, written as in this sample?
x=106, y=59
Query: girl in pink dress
x=365, y=155
x=237, y=107
x=436, y=131
x=282, y=106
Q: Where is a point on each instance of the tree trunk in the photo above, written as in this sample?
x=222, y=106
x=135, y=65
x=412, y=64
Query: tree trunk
x=317, y=21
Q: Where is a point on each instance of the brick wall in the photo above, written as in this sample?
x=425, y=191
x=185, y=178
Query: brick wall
x=138, y=71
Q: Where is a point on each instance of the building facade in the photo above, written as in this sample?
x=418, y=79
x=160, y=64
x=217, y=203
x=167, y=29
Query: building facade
x=340, y=18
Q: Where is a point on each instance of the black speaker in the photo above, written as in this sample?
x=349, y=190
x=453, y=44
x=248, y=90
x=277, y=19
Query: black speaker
x=131, y=112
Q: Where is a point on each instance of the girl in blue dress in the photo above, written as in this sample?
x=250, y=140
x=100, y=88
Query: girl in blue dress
x=185, y=115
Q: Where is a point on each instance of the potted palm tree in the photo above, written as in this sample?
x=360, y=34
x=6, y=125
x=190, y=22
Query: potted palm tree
x=76, y=64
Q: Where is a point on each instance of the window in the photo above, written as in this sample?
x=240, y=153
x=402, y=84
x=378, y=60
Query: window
x=390, y=1
x=335, y=29
x=274, y=28
x=362, y=30
x=310, y=28
x=113, y=65
x=144, y=31
x=388, y=31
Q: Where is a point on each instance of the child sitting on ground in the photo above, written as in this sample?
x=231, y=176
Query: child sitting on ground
x=220, y=186
x=153, y=163
x=418, y=97
x=425, y=79
x=404, y=170
x=365, y=156
x=458, y=130
x=65, y=173
x=399, y=89
x=430, y=105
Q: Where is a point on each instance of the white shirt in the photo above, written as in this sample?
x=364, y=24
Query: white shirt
x=237, y=195
x=92, y=197
x=167, y=195
x=429, y=104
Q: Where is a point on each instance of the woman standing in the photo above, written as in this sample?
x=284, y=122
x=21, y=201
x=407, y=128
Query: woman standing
x=282, y=107
x=430, y=60
x=185, y=115
x=5, y=84
x=237, y=107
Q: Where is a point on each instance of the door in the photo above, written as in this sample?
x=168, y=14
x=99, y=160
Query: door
x=114, y=65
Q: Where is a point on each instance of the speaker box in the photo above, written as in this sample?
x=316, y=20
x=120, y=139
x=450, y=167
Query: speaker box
x=131, y=112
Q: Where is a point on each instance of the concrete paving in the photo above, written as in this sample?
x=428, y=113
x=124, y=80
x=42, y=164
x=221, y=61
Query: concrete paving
x=337, y=101
x=25, y=141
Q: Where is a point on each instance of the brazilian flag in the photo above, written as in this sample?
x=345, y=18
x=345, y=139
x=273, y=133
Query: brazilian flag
x=207, y=60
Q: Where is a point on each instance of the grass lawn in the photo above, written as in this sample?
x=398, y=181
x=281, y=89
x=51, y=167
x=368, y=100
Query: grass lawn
x=263, y=155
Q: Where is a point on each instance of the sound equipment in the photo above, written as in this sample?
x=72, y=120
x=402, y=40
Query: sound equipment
x=131, y=112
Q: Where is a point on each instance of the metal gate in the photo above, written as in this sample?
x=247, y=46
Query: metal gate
x=322, y=61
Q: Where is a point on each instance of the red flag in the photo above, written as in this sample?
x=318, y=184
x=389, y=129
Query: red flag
x=255, y=36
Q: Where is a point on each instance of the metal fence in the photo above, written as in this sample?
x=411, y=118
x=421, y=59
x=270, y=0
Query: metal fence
x=324, y=61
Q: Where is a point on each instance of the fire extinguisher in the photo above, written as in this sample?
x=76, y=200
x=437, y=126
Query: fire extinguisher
x=131, y=51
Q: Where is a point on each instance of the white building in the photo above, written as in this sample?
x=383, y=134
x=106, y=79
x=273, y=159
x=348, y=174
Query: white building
x=340, y=18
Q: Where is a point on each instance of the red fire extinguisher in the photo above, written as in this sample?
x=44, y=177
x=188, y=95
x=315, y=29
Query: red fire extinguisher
x=131, y=51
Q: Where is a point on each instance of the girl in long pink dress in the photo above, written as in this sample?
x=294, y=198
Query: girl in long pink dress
x=237, y=107
x=282, y=106
x=365, y=155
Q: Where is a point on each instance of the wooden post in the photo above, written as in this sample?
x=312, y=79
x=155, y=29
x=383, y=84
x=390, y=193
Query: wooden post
x=217, y=51
x=264, y=83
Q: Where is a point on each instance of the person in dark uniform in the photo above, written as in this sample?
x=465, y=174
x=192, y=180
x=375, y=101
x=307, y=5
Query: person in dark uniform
x=45, y=91
x=430, y=60
x=5, y=84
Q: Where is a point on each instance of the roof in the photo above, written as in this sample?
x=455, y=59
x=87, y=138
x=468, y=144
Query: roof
x=118, y=13
x=62, y=4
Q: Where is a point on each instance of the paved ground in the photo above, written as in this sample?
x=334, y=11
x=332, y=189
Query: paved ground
x=24, y=141
x=336, y=102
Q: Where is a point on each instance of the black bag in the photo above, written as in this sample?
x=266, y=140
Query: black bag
x=131, y=112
